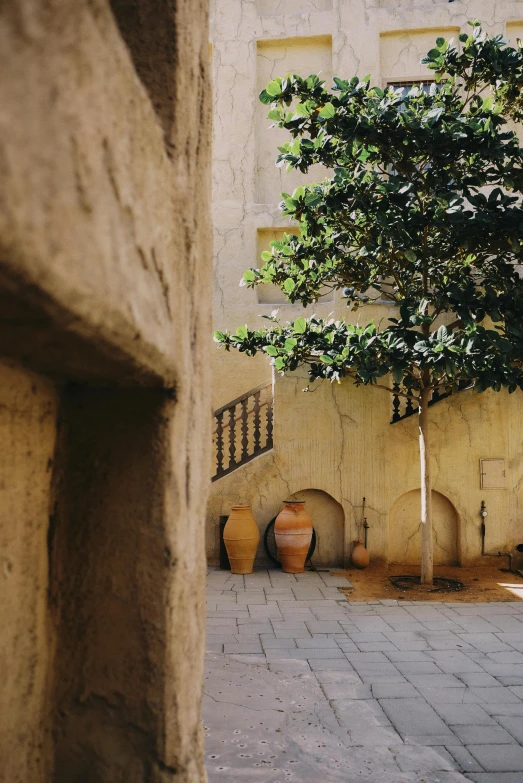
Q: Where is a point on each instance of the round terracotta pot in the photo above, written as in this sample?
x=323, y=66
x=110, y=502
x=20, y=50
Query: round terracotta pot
x=241, y=538
x=360, y=556
x=293, y=532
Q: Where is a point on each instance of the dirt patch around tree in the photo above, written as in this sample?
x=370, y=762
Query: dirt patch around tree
x=481, y=584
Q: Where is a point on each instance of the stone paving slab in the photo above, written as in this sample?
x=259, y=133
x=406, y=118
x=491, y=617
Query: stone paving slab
x=305, y=686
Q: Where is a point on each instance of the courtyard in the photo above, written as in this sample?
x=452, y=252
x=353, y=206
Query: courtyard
x=305, y=686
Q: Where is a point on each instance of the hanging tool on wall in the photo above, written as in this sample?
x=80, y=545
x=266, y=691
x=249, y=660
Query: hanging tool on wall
x=364, y=524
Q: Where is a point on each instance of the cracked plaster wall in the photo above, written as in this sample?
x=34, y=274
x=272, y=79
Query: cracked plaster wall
x=338, y=439
x=386, y=40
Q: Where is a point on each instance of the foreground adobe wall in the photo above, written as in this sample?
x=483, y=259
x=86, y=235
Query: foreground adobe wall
x=28, y=411
x=104, y=393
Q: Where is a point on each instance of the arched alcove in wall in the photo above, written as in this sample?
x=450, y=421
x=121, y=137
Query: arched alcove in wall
x=328, y=519
x=405, y=529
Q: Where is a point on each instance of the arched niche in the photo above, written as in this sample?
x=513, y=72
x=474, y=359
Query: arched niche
x=328, y=519
x=405, y=529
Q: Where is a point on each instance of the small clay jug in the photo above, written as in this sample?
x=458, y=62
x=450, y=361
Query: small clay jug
x=360, y=556
x=293, y=533
x=241, y=538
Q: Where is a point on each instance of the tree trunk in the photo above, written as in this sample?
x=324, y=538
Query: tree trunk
x=427, y=554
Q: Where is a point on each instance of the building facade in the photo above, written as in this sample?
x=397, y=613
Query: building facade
x=338, y=445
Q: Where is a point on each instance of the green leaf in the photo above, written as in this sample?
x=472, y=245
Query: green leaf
x=410, y=255
x=289, y=285
x=219, y=337
x=266, y=255
x=300, y=326
x=242, y=332
x=327, y=112
x=326, y=359
x=274, y=114
x=273, y=88
x=290, y=344
x=302, y=110
x=397, y=374
x=249, y=276
x=271, y=350
x=279, y=363
x=312, y=199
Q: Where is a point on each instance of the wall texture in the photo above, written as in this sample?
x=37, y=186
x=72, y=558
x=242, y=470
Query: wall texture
x=339, y=439
x=104, y=393
x=28, y=411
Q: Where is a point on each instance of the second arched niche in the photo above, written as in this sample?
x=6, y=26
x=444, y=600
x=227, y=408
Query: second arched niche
x=405, y=529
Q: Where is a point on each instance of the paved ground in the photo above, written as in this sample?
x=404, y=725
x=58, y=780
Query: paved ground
x=305, y=687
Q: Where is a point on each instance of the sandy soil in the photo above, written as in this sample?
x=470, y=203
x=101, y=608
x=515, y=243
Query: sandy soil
x=493, y=583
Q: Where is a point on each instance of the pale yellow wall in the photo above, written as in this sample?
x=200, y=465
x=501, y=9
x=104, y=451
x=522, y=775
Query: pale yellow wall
x=338, y=439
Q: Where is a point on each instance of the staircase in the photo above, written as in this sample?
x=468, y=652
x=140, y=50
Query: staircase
x=403, y=408
x=243, y=430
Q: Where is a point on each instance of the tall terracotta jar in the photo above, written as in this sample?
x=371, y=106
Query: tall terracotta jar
x=241, y=538
x=360, y=556
x=293, y=532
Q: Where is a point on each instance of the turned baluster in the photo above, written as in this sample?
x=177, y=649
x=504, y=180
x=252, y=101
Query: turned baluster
x=396, y=416
x=269, y=423
x=257, y=421
x=219, y=443
x=232, y=436
x=245, y=434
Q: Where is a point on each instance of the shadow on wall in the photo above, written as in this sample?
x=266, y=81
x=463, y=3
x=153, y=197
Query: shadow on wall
x=405, y=533
x=328, y=520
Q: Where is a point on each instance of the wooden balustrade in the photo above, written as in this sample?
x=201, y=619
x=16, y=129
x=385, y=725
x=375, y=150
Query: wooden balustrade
x=402, y=407
x=234, y=446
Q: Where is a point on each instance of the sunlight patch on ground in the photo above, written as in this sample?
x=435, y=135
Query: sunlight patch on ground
x=516, y=590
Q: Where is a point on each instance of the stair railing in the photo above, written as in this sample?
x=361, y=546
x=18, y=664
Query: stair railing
x=234, y=445
x=402, y=407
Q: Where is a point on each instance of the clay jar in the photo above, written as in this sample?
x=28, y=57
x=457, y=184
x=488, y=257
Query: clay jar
x=241, y=538
x=293, y=532
x=360, y=556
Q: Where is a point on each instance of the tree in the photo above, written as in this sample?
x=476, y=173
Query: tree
x=423, y=208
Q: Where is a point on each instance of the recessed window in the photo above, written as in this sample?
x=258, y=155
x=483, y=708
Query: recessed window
x=407, y=85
